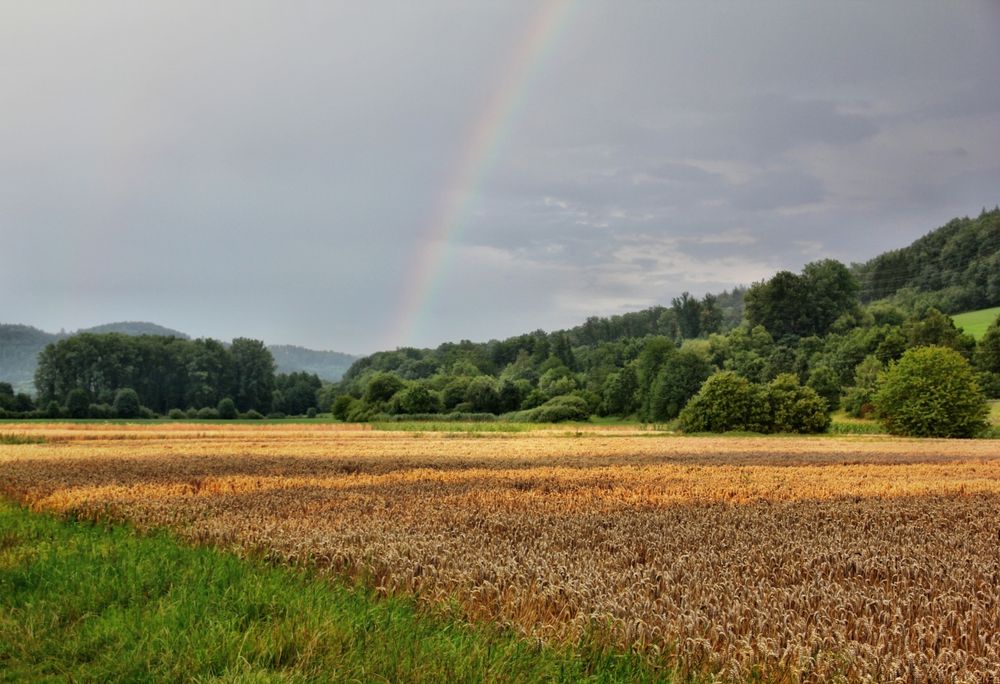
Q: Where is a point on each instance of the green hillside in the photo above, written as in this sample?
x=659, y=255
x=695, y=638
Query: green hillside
x=976, y=322
x=19, y=347
x=328, y=365
x=953, y=268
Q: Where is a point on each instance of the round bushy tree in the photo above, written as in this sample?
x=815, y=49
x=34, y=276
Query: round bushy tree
x=77, y=403
x=342, y=406
x=795, y=408
x=227, y=409
x=561, y=408
x=416, y=399
x=482, y=394
x=53, y=410
x=727, y=401
x=931, y=392
x=126, y=403
x=382, y=386
x=453, y=393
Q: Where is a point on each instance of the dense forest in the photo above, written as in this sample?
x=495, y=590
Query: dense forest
x=112, y=374
x=20, y=346
x=820, y=334
x=954, y=268
x=830, y=327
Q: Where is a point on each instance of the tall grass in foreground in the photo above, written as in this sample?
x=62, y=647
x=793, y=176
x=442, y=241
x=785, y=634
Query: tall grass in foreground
x=84, y=602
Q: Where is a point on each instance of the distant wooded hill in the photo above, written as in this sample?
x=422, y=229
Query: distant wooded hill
x=20, y=345
x=328, y=365
x=953, y=268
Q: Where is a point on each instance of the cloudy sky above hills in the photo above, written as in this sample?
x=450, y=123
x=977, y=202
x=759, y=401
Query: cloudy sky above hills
x=277, y=170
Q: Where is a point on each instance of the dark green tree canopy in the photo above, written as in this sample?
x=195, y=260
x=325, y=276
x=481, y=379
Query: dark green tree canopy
x=77, y=403
x=679, y=379
x=803, y=305
x=227, y=409
x=382, y=387
x=165, y=372
x=127, y=403
x=988, y=354
x=954, y=268
x=253, y=367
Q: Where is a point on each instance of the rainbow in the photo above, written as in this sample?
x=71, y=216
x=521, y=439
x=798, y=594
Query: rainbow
x=476, y=158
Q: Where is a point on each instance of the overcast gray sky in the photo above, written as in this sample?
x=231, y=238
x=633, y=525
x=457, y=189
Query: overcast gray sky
x=272, y=169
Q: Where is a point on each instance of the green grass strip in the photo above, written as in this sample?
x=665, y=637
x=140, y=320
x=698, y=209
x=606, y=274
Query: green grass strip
x=92, y=602
x=14, y=438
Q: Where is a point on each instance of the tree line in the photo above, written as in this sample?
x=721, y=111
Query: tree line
x=807, y=329
x=113, y=374
x=785, y=342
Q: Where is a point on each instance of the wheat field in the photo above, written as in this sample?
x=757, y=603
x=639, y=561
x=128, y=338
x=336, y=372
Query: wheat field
x=781, y=559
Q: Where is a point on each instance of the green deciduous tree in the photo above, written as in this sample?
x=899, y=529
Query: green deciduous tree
x=77, y=403
x=679, y=379
x=253, y=367
x=482, y=395
x=826, y=383
x=381, y=387
x=227, y=409
x=727, y=401
x=342, y=406
x=127, y=403
x=802, y=305
x=931, y=392
x=795, y=408
x=620, y=392
x=988, y=352
x=688, y=313
x=416, y=398
x=859, y=399
x=935, y=329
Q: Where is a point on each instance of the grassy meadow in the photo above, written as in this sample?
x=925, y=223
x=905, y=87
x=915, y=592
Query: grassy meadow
x=976, y=322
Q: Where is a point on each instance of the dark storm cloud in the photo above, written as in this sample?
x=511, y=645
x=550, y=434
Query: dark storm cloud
x=271, y=170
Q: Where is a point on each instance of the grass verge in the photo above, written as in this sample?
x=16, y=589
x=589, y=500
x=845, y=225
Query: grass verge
x=92, y=602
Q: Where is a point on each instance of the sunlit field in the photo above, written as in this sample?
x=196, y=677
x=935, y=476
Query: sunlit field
x=783, y=559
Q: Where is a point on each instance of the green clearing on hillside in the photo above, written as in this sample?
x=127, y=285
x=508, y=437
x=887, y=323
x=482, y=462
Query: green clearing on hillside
x=976, y=322
x=86, y=602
